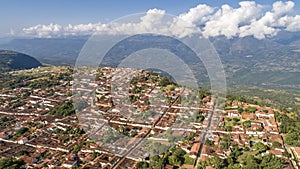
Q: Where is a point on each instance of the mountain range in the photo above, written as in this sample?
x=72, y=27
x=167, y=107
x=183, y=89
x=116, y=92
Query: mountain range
x=273, y=61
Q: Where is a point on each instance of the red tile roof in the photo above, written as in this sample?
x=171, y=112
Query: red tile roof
x=195, y=148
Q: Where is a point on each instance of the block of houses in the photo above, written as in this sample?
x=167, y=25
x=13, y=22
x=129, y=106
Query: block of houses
x=262, y=114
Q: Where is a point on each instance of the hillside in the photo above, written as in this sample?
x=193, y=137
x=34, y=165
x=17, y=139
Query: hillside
x=10, y=60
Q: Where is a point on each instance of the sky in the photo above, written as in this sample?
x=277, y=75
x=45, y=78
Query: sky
x=27, y=18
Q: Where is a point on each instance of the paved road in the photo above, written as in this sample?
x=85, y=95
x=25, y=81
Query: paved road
x=205, y=134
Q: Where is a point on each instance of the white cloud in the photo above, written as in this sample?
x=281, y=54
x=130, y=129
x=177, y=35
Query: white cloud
x=198, y=15
x=267, y=24
x=249, y=19
x=187, y=23
x=44, y=30
x=294, y=24
x=227, y=20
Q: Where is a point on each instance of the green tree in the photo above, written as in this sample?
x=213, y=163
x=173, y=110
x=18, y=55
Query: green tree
x=251, y=109
x=260, y=147
x=202, y=165
x=247, y=124
x=142, y=165
x=191, y=136
x=271, y=162
x=177, y=157
x=217, y=162
x=228, y=128
x=225, y=141
x=165, y=82
x=66, y=109
x=240, y=110
x=77, y=148
x=209, y=142
x=156, y=162
x=250, y=162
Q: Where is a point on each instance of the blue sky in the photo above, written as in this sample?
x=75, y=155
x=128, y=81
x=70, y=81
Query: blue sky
x=17, y=14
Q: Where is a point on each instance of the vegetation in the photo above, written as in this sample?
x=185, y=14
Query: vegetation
x=251, y=109
x=225, y=142
x=164, y=81
x=247, y=124
x=20, y=132
x=5, y=122
x=66, y=109
x=77, y=147
x=11, y=163
x=228, y=128
x=260, y=147
x=248, y=162
x=69, y=130
x=177, y=157
x=174, y=156
x=279, y=99
x=191, y=136
x=157, y=162
x=199, y=118
x=209, y=142
x=290, y=126
x=142, y=165
x=188, y=159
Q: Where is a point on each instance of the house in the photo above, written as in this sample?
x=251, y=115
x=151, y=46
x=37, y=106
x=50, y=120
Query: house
x=194, y=150
x=274, y=137
x=277, y=153
x=23, y=140
x=248, y=116
x=185, y=148
x=233, y=113
x=216, y=140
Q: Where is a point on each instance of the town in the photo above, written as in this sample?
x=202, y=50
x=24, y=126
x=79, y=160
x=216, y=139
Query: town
x=125, y=118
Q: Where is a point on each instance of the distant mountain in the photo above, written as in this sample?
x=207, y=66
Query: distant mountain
x=10, y=60
x=270, y=62
x=54, y=51
x=273, y=61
